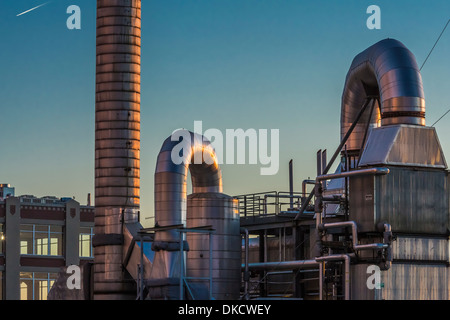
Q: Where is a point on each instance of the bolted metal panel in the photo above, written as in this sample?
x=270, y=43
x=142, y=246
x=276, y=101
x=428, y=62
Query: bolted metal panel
x=388, y=70
x=117, y=137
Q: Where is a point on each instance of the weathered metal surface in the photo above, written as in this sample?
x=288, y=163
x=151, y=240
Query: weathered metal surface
x=413, y=200
x=415, y=282
x=182, y=153
x=117, y=139
x=220, y=212
x=362, y=202
x=403, y=281
x=403, y=145
x=171, y=179
x=420, y=248
x=388, y=70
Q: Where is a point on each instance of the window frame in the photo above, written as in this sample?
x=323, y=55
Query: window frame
x=50, y=279
x=35, y=244
x=80, y=247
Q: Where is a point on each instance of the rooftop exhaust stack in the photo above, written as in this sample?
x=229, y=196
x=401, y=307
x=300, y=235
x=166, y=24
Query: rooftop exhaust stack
x=387, y=71
x=206, y=206
x=117, y=142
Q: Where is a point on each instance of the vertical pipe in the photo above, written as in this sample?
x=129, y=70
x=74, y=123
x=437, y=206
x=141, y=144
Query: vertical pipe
x=279, y=244
x=319, y=163
x=141, y=276
x=210, y=266
x=346, y=259
x=246, y=270
x=181, y=266
x=347, y=277
x=261, y=248
x=138, y=281
x=320, y=281
x=117, y=140
x=291, y=186
x=284, y=243
x=245, y=206
x=265, y=245
x=346, y=185
x=324, y=164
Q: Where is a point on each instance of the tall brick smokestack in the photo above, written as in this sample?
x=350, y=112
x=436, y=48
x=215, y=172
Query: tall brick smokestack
x=117, y=141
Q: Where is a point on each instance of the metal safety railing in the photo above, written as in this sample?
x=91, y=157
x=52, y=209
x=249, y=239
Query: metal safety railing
x=270, y=203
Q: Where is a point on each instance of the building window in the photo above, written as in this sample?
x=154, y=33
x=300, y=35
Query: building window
x=36, y=285
x=44, y=240
x=85, y=245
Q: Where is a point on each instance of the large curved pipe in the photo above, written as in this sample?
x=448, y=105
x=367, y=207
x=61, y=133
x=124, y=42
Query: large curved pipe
x=183, y=151
x=386, y=70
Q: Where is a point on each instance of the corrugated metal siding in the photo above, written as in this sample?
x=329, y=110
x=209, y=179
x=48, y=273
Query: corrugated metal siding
x=415, y=282
x=413, y=200
x=413, y=248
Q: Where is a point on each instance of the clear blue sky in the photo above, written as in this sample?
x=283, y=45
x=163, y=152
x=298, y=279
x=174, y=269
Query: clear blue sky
x=270, y=64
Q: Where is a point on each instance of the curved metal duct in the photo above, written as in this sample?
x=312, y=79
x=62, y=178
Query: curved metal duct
x=387, y=70
x=183, y=151
x=193, y=153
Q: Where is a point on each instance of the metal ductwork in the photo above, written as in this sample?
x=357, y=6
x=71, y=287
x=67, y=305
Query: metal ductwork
x=171, y=177
x=171, y=193
x=117, y=142
x=207, y=206
x=388, y=72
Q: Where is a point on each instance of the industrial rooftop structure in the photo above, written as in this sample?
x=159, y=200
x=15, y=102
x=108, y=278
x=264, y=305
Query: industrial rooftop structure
x=385, y=208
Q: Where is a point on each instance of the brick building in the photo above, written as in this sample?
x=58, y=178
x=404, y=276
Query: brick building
x=38, y=236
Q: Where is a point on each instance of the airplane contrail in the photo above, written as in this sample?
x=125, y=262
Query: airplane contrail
x=33, y=8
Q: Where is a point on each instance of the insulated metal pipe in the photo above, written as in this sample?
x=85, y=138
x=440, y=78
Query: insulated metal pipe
x=183, y=151
x=304, y=183
x=353, y=226
x=389, y=70
x=117, y=139
x=337, y=257
x=361, y=172
x=283, y=265
x=387, y=238
x=291, y=186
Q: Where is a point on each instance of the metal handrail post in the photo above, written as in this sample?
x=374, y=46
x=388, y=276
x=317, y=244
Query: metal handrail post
x=210, y=266
x=181, y=266
x=141, y=279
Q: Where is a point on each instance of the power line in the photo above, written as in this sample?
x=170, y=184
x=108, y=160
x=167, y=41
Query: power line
x=434, y=44
x=440, y=118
